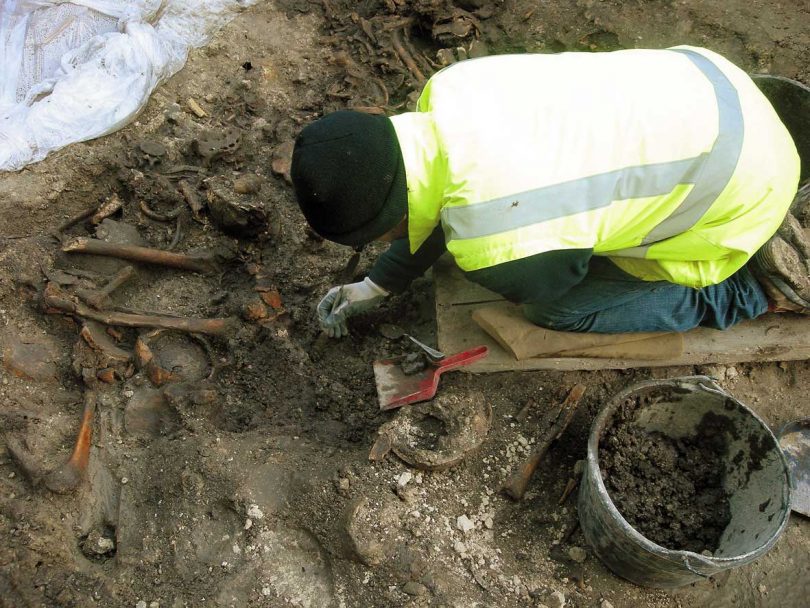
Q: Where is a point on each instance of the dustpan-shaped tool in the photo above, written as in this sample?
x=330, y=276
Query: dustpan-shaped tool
x=395, y=388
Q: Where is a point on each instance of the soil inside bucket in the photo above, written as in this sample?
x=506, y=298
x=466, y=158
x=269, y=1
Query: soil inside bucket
x=670, y=490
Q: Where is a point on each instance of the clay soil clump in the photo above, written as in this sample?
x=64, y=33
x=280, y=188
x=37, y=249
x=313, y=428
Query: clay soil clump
x=670, y=490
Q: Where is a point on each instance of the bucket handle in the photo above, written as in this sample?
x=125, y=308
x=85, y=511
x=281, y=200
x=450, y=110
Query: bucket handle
x=691, y=569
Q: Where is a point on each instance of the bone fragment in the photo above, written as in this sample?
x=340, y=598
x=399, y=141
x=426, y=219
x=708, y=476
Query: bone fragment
x=100, y=298
x=191, y=198
x=196, y=108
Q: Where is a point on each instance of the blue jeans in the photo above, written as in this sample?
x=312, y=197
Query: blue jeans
x=611, y=301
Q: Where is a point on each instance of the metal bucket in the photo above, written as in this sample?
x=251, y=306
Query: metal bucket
x=756, y=479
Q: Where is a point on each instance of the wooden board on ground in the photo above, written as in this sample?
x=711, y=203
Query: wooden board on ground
x=783, y=337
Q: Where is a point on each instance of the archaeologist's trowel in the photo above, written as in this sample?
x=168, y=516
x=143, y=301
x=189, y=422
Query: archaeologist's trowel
x=395, y=388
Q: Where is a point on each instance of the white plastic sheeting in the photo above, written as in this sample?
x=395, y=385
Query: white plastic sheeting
x=73, y=71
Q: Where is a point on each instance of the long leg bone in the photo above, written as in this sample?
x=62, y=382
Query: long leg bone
x=56, y=299
x=140, y=254
x=67, y=477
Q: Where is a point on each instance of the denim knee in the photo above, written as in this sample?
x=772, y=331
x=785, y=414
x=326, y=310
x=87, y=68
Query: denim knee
x=553, y=317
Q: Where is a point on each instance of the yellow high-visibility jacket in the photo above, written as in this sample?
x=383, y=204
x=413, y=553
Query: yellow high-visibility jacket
x=671, y=162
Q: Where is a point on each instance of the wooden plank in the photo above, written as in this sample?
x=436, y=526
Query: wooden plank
x=782, y=337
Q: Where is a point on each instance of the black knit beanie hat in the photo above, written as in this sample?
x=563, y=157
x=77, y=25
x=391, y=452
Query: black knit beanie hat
x=349, y=177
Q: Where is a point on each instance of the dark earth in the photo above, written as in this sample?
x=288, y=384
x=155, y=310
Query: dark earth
x=670, y=490
x=236, y=472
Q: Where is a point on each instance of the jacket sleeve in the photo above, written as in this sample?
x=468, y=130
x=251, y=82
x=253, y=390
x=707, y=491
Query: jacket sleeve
x=395, y=269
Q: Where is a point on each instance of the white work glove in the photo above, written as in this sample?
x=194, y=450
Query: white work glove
x=342, y=302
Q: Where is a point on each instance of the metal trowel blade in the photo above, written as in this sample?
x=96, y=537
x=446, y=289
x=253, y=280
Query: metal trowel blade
x=395, y=389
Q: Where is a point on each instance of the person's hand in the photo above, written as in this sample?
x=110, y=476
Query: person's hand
x=342, y=302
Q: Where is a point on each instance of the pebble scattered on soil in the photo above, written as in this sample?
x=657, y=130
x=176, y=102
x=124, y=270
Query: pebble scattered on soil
x=556, y=600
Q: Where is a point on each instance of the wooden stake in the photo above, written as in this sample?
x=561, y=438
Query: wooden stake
x=515, y=486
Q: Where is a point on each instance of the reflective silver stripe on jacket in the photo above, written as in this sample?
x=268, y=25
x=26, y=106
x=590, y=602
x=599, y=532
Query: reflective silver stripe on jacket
x=710, y=173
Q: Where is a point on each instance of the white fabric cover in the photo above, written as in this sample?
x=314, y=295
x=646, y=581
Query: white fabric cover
x=73, y=71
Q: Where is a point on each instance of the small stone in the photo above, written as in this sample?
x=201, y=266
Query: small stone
x=106, y=375
x=762, y=589
x=464, y=524
x=124, y=480
x=266, y=591
x=460, y=547
x=30, y=360
x=272, y=298
x=478, y=48
x=577, y=554
x=254, y=512
x=707, y=553
x=140, y=604
x=445, y=56
x=281, y=161
x=605, y=604
x=343, y=484
x=247, y=184
x=731, y=373
x=248, y=524
x=404, y=479
x=154, y=604
x=255, y=310
x=408, y=494
x=412, y=588
x=97, y=544
x=556, y=600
